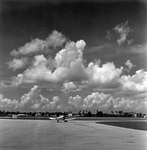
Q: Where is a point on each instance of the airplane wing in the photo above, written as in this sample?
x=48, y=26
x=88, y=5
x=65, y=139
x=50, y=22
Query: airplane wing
x=60, y=117
x=51, y=118
x=70, y=119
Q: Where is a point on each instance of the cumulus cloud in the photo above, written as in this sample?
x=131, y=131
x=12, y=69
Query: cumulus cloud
x=67, y=65
x=17, y=63
x=15, y=82
x=33, y=100
x=70, y=87
x=129, y=64
x=55, y=102
x=123, y=30
x=76, y=101
x=106, y=102
x=96, y=100
x=8, y=104
x=37, y=45
x=73, y=52
x=31, y=47
x=55, y=39
x=80, y=45
x=105, y=76
x=137, y=82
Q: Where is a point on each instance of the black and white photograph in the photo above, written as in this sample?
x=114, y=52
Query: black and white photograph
x=73, y=74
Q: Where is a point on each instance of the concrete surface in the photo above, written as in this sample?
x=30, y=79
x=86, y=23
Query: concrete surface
x=73, y=135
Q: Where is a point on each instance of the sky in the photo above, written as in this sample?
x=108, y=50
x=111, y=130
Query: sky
x=73, y=55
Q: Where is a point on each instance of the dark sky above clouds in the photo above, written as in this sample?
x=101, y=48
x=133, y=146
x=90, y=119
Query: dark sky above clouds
x=114, y=33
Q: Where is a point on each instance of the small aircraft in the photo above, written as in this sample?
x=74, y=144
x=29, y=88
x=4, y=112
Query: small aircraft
x=61, y=118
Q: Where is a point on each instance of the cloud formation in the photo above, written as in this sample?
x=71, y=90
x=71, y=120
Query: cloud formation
x=129, y=65
x=31, y=101
x=105, y=76
x=123, y=30
x=36, y=45
x=68, y=68
x=35, y=101
x=137, y=82
x=106, y=102
x=17, y=63
x=70, y=87
x=75, y=102
x=8, y=104
x=67, y=65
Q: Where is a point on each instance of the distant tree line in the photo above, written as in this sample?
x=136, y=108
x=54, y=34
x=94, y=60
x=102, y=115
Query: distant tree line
x=81, y=113
x=112, y=114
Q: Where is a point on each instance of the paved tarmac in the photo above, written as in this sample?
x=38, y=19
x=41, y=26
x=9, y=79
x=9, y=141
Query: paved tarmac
x=73, y=135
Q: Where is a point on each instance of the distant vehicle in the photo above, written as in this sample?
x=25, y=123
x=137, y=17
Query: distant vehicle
x=61, y=118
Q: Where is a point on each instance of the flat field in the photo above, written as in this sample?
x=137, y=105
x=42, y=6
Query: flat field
x=20, y=134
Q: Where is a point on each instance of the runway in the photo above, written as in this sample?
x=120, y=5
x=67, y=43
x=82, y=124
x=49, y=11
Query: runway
x=73, y=135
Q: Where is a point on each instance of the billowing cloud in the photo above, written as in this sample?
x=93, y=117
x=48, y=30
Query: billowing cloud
x=123, y=30
x=31, y=47
x=15, y=82
x=33, y=100
x=68, y=68
x=18, y=63
x=70, y=87
x=106, y=102
x=97, y=100
x=67, y=65
x=55, y=102
x=130, y=104
x=72, y=52
x=37, y=45
x=137, y=82
x=8, y=104
x=75, y=102
x=105, y=76
x=55, y=39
